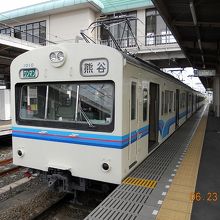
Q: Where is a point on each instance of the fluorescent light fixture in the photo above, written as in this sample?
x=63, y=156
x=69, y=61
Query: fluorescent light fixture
x=203, y=59
x=200, y=44
x=192, y=9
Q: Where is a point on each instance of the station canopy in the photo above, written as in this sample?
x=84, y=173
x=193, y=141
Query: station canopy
x=7, y=54
x=196, y=27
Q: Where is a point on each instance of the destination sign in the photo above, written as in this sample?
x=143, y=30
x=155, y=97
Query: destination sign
x=31, y=73
x=94, y=67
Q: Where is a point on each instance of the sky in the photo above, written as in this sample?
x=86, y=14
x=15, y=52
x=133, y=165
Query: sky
x=186, y=75
x=13, y=4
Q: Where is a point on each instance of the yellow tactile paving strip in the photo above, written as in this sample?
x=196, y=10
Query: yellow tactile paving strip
x=140, y=182
x=178, y=203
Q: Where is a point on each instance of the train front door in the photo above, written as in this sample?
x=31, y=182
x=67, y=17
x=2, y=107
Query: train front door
x=133, y=123
x=153, y=116
x=177, y=107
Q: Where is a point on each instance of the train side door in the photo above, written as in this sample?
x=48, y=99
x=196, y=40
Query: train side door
x=153, y=116
x=133, y=123
x=177, y=107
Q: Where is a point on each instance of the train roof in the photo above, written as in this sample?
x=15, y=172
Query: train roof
x=147, y=65
x=136, y=61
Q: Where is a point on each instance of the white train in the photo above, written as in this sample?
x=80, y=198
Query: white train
x=88, y=112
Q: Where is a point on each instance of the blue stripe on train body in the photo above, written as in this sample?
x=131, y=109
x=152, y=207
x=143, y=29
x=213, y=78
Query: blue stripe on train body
x=110, y=141
x=168, y=124
x=100, y=140
x=164, y=127
x=181, y=115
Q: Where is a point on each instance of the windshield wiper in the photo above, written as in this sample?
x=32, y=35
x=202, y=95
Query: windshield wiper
x=86, y=117
x=80, y=110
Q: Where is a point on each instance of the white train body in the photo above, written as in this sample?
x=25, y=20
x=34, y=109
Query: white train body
x=91, y=110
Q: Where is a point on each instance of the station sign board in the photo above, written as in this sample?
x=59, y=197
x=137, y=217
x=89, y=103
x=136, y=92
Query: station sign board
x=209, y=89
x=204, y=73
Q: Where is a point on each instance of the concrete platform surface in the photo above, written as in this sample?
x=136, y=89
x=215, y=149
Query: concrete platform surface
x=207, y=204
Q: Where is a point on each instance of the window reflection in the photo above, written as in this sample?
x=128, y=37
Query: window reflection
x=32, y=32
x=90, y=103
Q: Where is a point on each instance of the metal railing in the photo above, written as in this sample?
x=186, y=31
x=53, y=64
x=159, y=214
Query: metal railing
x=146, y=40
x=123, y=43
x=161, y=39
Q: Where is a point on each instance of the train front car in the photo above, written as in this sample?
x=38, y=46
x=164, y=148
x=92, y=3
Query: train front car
x=66, y=114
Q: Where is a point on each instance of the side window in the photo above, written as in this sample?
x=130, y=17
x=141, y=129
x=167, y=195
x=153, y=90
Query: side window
x=162, y=103
x=170, y=101
x=166, y=101
x=133, y=100
x=174, y=106
x=189, y=101
x=183, y=100
x=145, y=103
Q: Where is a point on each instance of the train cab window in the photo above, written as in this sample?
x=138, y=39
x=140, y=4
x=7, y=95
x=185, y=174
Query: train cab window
x=71, y=105
x=133, y=100
x=145, y=103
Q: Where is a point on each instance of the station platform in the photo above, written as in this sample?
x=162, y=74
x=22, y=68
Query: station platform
x=165, y=185
x=5, y=127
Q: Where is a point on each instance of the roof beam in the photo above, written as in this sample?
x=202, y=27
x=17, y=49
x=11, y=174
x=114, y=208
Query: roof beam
x=194, y=17
x=205, y=44
x=6, y=58
x=205, y=54
x=199, y=24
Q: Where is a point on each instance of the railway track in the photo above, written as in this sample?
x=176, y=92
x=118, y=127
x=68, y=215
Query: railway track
x=7, y=167
x=28, y=198
x=68, y=208
x=5, y=150
x=6, y=161
x=10, y=171
x=38, y=202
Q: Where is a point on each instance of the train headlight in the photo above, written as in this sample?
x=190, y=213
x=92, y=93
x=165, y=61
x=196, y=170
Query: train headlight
x=52, y=57
x=106, y=167
x=20, y=153
x=57, y=58
x=60, y=56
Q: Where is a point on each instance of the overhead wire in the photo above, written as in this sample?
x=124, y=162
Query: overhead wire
x=140, y=31
x=119, y=12
x=56, y=36
x=111, y=25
